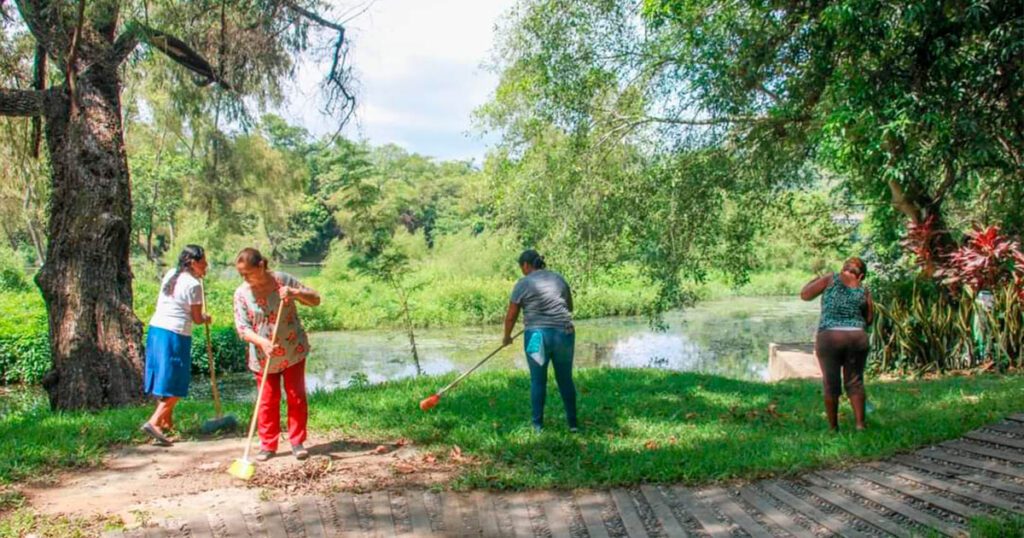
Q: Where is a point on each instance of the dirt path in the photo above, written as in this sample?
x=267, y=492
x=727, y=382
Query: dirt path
x=143, y=482
x=934, y=491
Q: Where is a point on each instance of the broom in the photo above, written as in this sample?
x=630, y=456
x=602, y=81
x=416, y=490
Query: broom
x=221, y=422
x=429, y=402
x=244, y=469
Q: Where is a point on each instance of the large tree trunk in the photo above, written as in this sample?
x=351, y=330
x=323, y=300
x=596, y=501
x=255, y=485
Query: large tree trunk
x=95, y=337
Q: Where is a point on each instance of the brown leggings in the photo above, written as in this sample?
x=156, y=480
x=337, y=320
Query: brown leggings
x=844, y=352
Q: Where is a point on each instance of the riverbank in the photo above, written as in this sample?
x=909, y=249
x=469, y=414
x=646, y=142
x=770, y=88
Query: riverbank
x=443, y=299
x=639, y=425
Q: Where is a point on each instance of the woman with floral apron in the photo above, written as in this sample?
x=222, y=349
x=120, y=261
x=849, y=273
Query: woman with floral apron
x=256, y=305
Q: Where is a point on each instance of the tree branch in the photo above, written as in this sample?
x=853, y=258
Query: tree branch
x=124, y=45
x=23, y=103
x=339, y=97
x=314, y=17
x=72, y=74
x=45, y=26
x=951, y=179
x=171, y=46
x=39, y=84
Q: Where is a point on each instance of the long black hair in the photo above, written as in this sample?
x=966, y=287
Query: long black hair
x=189, y=254
x=532, y=258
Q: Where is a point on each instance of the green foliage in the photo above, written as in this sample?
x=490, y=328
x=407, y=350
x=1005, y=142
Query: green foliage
x=464, y=280
x=921, y=327
x=24, y=338
x=911, y=103
x=12, y=271
x=25, y=344
x=229, y=351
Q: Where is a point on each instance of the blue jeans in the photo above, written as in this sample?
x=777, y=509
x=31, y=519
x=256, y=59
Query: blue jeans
x=559, y=347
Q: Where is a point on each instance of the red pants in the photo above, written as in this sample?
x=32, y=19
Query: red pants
x=268, y=419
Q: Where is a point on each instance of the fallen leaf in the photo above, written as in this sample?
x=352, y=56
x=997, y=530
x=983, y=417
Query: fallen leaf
x=651, y=445
x=404, y=468
x=381, y=449
x=691, y=416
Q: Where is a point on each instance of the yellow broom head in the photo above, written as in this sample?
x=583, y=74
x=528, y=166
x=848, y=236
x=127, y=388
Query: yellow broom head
x=242, y=469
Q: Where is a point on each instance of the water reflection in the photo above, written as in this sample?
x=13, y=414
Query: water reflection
x=728, y=338
x=724, y=337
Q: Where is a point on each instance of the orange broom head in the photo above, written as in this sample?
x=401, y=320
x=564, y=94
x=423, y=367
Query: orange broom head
x=429, y=402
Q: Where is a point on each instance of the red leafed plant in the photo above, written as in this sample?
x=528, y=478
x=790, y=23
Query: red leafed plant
x=923, y=242
x=985, y=261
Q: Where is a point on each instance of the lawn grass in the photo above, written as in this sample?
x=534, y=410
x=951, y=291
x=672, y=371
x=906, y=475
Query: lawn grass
x=639, y=426
x=1005, y=526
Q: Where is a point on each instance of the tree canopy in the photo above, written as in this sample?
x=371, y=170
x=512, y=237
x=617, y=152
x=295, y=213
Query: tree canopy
x=913, y=108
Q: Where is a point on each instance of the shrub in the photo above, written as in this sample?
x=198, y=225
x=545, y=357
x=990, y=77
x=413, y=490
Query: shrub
x=12, y=271
x=228, y=351
x=962, y=311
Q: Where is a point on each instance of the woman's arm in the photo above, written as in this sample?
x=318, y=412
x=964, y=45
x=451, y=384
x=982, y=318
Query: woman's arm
x=510, y=322
x=246, y=332
x=302, y=294
x=198, y=316
x=815, y=287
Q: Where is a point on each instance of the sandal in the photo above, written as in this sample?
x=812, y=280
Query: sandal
x=300, y=452
x=264, y=455
x=159, y=439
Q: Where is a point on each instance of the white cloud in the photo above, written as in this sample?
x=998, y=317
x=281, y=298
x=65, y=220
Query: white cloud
x=418, y=64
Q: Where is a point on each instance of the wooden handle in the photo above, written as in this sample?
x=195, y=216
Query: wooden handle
x=209, y=358
x=479, y=364
x=263, y=381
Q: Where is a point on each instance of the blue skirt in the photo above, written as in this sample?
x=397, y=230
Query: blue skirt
x=168, y=363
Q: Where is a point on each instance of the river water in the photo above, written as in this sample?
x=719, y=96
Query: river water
x=728, y=337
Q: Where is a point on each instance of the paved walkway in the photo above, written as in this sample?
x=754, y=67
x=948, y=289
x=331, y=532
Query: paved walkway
x=933, y=491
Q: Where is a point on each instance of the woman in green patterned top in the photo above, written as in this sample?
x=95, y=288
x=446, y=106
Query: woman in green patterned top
x=841, y=343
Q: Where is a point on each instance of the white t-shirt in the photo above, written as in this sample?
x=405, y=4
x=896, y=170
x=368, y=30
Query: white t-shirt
x=174, y=311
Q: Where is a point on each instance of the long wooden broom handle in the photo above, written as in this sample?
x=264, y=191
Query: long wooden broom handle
x=263, y=381
x=209, y=358
x=479, y=364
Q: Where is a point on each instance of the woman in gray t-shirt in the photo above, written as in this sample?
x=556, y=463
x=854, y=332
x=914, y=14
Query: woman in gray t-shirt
x=546, y=302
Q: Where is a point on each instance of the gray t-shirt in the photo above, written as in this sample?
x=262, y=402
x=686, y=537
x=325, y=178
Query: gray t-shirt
x=545, y=298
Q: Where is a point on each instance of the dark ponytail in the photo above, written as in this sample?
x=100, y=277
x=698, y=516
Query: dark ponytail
x=189, y=254
x=532, y=258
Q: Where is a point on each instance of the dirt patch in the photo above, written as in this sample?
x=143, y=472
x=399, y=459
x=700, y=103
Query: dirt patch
x=145, y=482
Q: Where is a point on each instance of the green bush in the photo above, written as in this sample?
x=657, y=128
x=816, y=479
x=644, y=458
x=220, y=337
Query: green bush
x=24, y=338
x=25, y=345
x=228, y=350
x=24, y=358
x=12, y=271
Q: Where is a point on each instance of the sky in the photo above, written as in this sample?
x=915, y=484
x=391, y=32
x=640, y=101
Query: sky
x=420, y=71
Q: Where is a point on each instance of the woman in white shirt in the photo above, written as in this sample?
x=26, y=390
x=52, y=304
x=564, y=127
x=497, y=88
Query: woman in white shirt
x=169, y=339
